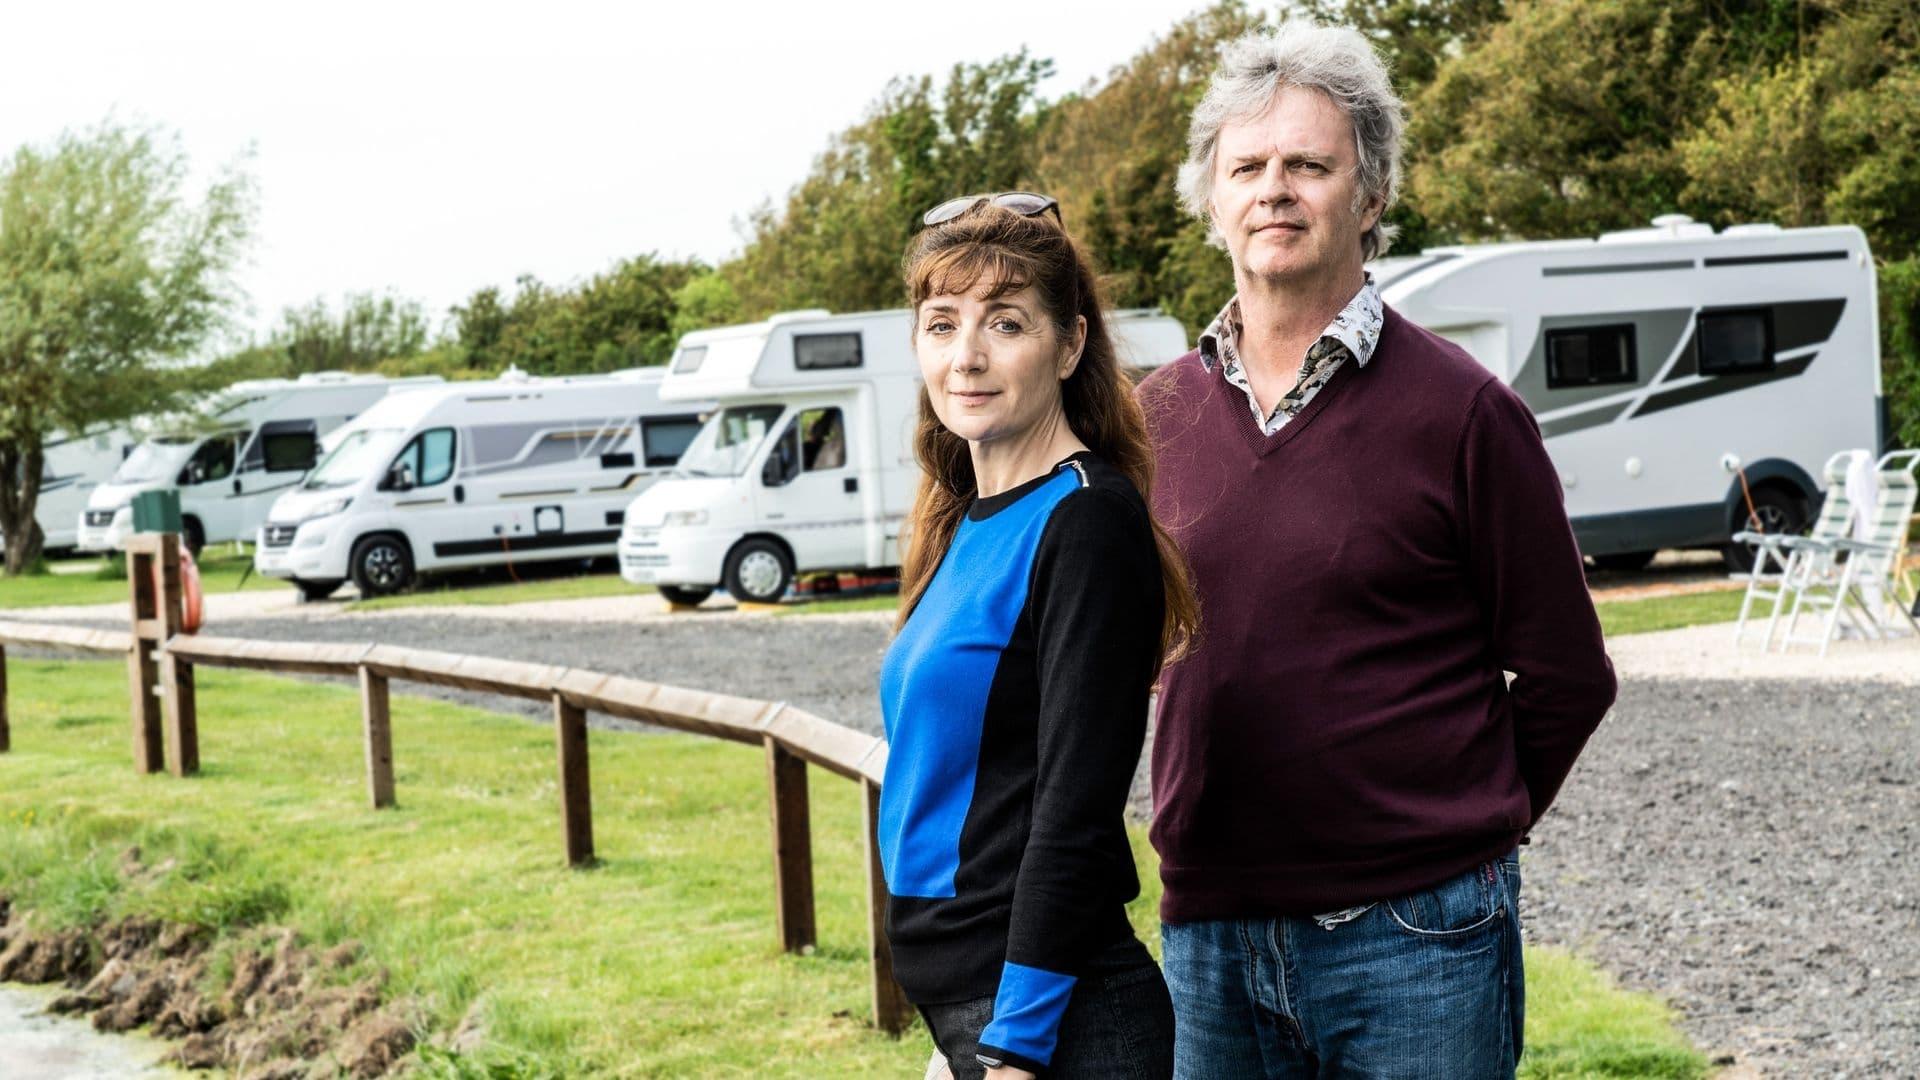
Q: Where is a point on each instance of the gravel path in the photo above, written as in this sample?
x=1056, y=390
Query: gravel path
x=1745, y=847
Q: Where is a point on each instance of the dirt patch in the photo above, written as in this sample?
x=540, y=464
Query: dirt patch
x=284, y=1013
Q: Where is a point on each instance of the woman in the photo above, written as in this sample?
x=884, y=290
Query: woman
x=1038, y=600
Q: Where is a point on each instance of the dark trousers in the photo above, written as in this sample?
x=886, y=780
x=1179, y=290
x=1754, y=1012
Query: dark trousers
x=1118, y=1026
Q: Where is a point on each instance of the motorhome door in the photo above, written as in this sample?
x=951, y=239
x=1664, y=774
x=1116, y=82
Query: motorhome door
x=810, y=491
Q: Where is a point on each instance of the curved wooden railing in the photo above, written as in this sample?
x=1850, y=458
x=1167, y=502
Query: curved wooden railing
x=161, y=663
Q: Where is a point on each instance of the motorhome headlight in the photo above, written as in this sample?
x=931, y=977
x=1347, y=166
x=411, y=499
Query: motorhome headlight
x=685, y=517
x=328, y=508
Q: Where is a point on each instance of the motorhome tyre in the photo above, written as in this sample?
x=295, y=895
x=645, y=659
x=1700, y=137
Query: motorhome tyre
x=687, y=595
x=381, y=564
x=1623, y=561
x=193, y=535
x=758, y=571
x=1776, y=510
x=311, y=590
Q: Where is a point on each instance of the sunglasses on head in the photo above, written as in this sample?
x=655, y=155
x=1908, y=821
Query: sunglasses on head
x=1024, y=203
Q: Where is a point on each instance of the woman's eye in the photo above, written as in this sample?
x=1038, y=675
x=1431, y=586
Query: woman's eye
x=939, y=326
x=1006, y=326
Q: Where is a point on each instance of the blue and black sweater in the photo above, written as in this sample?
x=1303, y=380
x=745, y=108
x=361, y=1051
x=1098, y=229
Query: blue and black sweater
x=1015, y=700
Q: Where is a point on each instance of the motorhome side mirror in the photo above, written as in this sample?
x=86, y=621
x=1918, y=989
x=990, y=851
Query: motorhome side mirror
x=399, y=478
x=780, y=467
x=236, y=485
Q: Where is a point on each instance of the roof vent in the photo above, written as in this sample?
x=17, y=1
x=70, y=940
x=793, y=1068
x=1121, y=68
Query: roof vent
x=513, y=374
x=1673, y=223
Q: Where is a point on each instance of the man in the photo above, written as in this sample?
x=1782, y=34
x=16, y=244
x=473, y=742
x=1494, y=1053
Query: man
x=1341, y=770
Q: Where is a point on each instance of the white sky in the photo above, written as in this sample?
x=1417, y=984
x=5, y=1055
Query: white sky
x=435, y=148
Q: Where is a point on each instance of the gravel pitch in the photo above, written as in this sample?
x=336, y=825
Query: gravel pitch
x=1745, y=849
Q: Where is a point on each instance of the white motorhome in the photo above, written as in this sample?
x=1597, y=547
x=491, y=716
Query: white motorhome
x=1660, y=363
x=808, y=464
x=74, y=465
x=232, y=455
x=515, y=470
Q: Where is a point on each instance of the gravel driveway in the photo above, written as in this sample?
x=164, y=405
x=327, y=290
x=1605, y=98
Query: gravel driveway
x=1745, y=848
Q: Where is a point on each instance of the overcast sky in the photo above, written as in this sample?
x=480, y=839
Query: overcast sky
x=433, y=149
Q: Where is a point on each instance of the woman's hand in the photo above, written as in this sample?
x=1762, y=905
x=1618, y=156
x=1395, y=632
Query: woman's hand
x=1008, y=1072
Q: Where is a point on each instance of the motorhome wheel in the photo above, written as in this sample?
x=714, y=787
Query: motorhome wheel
x=315, y=590
x=381, y=565
x=687, y=595
x=1776, y=512
x=758, y=572
x=192, y=535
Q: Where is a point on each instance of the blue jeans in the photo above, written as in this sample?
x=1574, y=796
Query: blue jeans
x=1424, y=985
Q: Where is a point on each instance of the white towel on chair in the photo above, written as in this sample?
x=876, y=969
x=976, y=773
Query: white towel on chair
x=1863, y=491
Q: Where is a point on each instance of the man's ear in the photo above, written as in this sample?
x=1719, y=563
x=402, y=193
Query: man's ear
x=1079, y=348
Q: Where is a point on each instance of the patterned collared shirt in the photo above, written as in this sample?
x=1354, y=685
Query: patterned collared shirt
x=1351, y=335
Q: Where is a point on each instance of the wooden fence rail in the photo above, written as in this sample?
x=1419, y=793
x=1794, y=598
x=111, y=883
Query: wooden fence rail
x=161, y=661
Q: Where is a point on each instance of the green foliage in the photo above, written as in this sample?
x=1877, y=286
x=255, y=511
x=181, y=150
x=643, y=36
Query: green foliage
x=838, y=241
x=1900, y=348
x=618, y=319
x=107, y=271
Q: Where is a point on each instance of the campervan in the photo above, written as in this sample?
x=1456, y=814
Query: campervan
x=232, y=455
x=515, y=470
x=1684, y=380
x=808, y=463
x=74, y=465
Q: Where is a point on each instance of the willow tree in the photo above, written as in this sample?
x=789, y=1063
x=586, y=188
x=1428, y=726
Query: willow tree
x=108, y=271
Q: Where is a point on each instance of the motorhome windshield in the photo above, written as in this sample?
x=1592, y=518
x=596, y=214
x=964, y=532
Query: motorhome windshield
x=725, y=447
x=359, y=454
x=155, y=460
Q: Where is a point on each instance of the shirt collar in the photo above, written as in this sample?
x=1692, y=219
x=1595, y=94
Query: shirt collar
x=1357, y=327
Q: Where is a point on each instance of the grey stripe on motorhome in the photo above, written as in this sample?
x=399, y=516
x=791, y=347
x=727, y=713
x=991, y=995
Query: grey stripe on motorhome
x=1756, y=260
x=1616, y=268
x=533, y=542
x=493, y=449
x=1797, y=325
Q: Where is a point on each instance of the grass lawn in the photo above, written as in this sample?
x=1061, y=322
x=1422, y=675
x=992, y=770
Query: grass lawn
x=220, y=572
x=458, y=591
x=659, y=962
x=876, y=602
x=1669, y=612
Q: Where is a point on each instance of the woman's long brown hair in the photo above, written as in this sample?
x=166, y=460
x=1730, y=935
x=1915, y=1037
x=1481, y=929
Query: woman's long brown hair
x=1007, y=252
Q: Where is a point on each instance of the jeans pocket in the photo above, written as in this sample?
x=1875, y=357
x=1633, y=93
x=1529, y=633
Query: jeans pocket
x=1459, y=906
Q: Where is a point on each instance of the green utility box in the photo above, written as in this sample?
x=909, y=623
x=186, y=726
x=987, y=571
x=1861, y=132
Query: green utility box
x=157, y=511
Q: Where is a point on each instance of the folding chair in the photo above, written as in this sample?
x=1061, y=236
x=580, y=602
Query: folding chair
x=1864, y=586
x=1780, y=557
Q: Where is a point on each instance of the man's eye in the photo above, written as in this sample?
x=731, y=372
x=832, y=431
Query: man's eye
x=1246, y=168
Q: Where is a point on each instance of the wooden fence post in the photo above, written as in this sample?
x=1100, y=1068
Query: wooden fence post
x=176, y=676
x=143, y=674
x=891, y=1010
x=6, y=741
x=792, y=847
x=377, y=724
x=576, y=794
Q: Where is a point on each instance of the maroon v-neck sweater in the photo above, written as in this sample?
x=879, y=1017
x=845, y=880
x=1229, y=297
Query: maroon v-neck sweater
x=1342, y=732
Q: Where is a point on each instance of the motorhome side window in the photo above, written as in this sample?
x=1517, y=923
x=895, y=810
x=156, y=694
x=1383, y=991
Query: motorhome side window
x=1591, y=356
x=284, y=446
x=819, y=352
x=690, y=359
x=664, y=438
x=1735, y=342
x=426, y=461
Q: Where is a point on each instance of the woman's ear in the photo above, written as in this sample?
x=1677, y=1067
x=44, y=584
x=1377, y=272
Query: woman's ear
x=1077, y=347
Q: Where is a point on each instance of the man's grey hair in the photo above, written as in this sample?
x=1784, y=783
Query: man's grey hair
x=1335, y=60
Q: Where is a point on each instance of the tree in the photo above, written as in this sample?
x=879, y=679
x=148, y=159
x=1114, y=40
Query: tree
x=838, y=241
x=107, y=270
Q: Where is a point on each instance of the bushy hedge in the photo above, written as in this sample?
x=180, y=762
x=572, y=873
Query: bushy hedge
x=1900, y=348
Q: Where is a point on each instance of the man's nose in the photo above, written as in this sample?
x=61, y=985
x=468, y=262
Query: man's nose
x=1276, y=187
